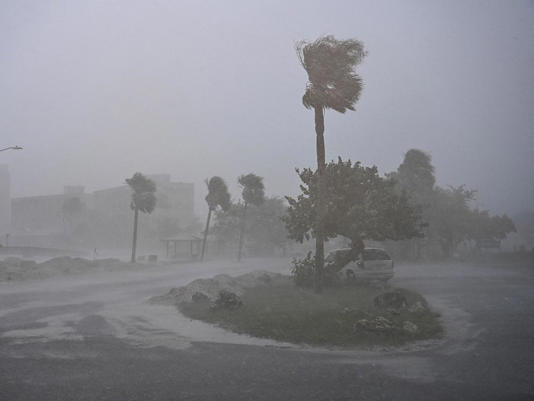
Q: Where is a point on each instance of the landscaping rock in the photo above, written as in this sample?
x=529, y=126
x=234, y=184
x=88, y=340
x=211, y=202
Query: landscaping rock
x=379, y=323
x=410, y=327
x=418, y=307
x=212, y=286
x=391, y=299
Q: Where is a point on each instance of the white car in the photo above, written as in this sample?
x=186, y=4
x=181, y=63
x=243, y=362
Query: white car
x=373, y=264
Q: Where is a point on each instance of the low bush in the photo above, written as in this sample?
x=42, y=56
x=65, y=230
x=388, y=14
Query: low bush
x=303, y=271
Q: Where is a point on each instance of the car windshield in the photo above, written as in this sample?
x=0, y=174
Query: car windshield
x=368, y=254
x=375, y=254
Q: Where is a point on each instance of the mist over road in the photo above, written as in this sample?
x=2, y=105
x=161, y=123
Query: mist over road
x=95, y=337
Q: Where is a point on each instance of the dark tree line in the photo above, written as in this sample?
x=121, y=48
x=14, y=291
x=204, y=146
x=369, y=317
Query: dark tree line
x=253, y=222
x=450, y=219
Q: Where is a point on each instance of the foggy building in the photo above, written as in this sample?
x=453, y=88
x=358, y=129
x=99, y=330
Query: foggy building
x=100, y=219
x=44, y=214
x=5, y=202
x=174, y=199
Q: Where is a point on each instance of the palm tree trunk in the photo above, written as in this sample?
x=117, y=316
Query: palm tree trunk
x=242, y=232
x=205, y=235
x=134, y=242
x=321, y=210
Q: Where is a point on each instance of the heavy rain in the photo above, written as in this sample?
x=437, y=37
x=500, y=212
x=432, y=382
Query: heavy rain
x=266, y=200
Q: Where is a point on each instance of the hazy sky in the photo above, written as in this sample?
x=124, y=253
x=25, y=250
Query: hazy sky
x=97, y=90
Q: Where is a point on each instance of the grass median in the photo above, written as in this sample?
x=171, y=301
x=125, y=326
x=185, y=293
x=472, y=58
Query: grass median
x=340, y=316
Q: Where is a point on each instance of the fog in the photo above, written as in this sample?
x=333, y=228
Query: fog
x=411, y=281
x=95, y=91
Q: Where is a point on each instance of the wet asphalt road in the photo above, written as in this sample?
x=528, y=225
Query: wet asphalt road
x=96, y=338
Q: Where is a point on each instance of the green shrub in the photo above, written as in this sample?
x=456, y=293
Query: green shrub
x=303, y=272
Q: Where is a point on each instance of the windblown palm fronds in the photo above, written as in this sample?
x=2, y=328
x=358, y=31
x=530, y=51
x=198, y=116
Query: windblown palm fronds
x=332, y=81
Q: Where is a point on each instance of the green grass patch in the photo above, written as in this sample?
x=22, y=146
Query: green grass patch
x=284, y=312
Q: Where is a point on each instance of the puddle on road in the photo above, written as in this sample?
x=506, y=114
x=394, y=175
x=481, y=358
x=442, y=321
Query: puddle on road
x=57, y=327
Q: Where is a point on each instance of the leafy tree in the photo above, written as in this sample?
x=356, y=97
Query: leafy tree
x=265, y=229
x=416, y=177
x=447, y=211
x=450, y=216
x=143, y=199
x=228, y=224
x=217, y=196
x=454, y=222
x=253, y=193
x=332, y=84
x=360, y=205
x=525, y=228
x=483, y=226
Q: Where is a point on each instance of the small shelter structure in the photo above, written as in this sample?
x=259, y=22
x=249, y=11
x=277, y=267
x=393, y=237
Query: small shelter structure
x=183, y=247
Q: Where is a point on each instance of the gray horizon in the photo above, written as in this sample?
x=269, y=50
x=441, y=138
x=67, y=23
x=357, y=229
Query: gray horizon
x=97, y=91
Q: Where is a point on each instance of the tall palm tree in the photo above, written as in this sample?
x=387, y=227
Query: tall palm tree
x=332, y=84
x=143, y=200
x=254, y=194
x=217, y=196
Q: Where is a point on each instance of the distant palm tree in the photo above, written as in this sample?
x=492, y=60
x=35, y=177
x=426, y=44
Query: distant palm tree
x=254, y=194
x=217, y=196
x=143, y=199
x=332, y=84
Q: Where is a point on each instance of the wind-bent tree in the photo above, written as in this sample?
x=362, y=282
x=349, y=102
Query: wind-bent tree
x=217, y=196
x=332, y=84
x=253, y=194
x=143, y=200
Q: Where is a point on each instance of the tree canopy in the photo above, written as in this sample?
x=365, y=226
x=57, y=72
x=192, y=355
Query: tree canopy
x=447, y=211
x=143, y=193
x=253, y=189
x=218, y=194
x=332, y=81
x=360, y=205
x=266, y=232
x=416, y=175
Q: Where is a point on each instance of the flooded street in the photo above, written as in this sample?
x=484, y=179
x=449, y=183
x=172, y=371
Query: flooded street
x=174, y=170
x=98, y=337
